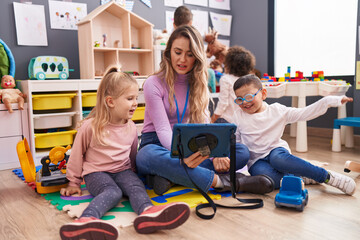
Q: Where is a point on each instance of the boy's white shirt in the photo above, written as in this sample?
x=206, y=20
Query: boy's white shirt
x=226, y=107
x=262, y=132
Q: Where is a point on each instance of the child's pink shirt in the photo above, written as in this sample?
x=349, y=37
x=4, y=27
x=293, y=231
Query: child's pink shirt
x=88, y=156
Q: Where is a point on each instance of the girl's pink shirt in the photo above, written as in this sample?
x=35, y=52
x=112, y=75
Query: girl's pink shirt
x=88, y=156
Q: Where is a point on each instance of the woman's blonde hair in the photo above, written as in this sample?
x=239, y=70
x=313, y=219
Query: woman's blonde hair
x=199, y=92
x=113, y=84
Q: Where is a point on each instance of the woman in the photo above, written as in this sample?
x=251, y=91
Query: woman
x=178, y=93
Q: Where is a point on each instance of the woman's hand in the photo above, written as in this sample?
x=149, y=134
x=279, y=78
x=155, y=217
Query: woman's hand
x=70, y=190
x=194, y=160
x=346, y=99
x=221, y=164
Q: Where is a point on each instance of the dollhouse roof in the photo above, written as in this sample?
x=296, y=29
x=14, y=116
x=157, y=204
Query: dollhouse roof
x=116, y=10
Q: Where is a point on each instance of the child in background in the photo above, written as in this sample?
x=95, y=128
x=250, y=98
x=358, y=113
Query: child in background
x=260, y=127
x=104, y=155
x=182, y=16
x=238, y=62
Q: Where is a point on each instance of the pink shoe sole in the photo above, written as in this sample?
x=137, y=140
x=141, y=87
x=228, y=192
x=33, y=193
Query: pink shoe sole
x=92, y=230
x=169, y=217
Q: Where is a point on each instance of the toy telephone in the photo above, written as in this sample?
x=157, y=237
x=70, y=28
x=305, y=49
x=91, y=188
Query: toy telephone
x=51, y=178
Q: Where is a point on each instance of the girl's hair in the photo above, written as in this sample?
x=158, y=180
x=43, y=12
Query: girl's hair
x=199, y=92
x=113, y=84
x=248, y=80
x=239, y=61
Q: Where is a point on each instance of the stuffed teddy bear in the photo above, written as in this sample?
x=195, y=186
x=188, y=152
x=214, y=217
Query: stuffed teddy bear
x=215, y=48
x=9, y=94
x=160, y=37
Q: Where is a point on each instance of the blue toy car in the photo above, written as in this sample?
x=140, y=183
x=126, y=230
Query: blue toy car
x=292, y=193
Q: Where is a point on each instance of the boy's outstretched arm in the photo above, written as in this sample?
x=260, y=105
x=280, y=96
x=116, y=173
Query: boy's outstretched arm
x=314, y=110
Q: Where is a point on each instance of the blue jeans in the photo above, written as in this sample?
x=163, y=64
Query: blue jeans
x=154, y=159
x=280, y=162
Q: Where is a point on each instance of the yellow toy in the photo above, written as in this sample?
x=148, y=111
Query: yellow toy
x=50, y=178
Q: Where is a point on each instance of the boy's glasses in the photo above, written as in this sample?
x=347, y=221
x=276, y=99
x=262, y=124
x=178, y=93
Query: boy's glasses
x=247, y=98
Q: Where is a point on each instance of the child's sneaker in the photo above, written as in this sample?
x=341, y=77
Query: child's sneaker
x=342, y=182
x=167, y=216
x=309, y=181
x=88, y=228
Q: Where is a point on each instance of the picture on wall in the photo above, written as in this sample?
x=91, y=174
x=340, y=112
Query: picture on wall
x=30, y=24
x=65, y=15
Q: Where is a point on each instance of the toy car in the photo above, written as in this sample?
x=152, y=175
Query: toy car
x=292, y=193
x=49, y=67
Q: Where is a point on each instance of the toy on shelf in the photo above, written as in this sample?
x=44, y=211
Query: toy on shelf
x=9, y=94
x=49, y=67
x=215, y=47
x=51, y=178
x=292, y=193
x=96, y=44
x=104, y=39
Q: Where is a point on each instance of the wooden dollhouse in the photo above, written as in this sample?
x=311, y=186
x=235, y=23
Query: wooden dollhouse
x=111, y=34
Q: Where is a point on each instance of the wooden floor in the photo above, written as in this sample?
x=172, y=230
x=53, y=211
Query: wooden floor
x=330, y=214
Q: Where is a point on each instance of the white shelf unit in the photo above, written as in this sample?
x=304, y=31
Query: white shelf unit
x=13, y=128
x=77, y=86
x=34, y=87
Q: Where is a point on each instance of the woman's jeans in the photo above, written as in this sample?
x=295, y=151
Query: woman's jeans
x=280, y=162
x=154, y=159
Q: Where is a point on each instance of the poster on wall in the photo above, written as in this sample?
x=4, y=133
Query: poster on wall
x=221, y=23
x=201, y=21
x=65, y=15
x=169, y=20
x=220, y=4
x=203, y=3
x=30, y=24
x=173, y=3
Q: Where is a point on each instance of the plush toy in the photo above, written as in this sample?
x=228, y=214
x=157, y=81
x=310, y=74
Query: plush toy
x=215, y=48
x=160, y=37
x=9, y=94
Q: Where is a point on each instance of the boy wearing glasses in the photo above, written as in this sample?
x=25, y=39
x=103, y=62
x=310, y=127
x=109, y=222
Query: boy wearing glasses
x=260, y=127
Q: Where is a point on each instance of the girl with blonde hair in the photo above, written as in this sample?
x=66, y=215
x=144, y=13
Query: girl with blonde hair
x=103, y=154
x=178, y=93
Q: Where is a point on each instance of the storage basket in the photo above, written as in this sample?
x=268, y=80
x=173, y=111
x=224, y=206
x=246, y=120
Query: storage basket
x=139, y=114
x=52, y=101
x=55, y=120
x=338, y=88
x=88, y=99
x=52, y=139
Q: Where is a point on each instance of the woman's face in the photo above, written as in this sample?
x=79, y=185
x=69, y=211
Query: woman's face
x=182, y=59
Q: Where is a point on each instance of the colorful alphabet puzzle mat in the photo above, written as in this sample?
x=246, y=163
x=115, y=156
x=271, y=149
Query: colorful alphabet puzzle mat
x=123, y=215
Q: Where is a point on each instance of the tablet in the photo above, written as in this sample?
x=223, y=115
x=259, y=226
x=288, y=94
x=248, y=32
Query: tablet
x=209, y=139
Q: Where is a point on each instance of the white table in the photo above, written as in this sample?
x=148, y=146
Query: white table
x=299, y=91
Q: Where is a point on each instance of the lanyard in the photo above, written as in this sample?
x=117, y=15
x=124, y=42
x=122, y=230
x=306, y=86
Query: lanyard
x=177, y=107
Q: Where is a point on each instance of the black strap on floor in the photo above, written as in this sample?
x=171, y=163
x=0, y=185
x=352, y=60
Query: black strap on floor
x=252, y=203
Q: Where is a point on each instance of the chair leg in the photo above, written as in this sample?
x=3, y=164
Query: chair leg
x=351, y=166
x=349, y=137
x=336, y=141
